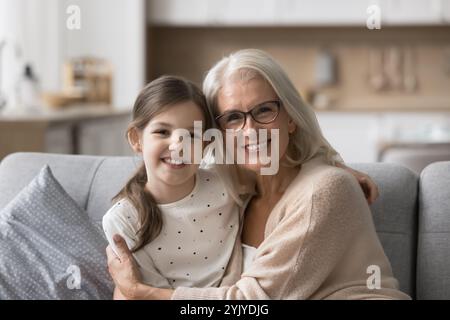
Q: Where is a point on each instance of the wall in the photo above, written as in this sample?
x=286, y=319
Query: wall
x=191, y=51
x=112, y=29
x=32, y=27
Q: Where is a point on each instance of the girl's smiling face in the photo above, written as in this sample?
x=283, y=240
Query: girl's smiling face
x=155, y=139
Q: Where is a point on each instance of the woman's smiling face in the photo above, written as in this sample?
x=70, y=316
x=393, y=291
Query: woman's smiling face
x=244, y=95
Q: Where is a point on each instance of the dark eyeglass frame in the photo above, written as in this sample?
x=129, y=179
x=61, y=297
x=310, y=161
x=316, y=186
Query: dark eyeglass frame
x=250, y=112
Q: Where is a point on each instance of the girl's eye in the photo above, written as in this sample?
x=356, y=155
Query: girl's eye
x=162, y=132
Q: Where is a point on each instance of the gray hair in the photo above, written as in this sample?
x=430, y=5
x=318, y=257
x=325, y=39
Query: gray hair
x=307, y=141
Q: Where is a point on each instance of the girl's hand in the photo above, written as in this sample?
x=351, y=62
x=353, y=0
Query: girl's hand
x=368, y=186
x=123, y=269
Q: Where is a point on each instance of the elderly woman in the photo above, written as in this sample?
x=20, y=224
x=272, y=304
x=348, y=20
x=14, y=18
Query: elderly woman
x=306, y=231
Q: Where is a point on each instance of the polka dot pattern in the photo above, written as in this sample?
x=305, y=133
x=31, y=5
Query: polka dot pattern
x=196, y=240
x=49, y=248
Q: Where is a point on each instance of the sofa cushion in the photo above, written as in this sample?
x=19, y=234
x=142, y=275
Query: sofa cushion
x=110, y=178
x=49, y=248
x=395, y=218
x=433, y=252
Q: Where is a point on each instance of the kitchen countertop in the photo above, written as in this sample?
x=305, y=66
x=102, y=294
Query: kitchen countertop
x=383, y=110
x=387, y=103
x=75, y=112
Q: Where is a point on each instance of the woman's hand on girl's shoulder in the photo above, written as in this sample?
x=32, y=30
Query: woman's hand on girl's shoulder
x=368, y=186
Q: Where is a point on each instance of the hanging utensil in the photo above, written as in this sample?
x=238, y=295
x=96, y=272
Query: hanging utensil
x=409, y=70
x=377, y=78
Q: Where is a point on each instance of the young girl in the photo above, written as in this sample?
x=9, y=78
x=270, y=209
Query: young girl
x=179, y=220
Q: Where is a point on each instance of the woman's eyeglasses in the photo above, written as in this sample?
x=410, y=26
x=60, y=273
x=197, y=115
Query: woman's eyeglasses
x=263, y=113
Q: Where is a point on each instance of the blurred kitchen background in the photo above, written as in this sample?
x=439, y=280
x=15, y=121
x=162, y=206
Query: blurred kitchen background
x=71, y=69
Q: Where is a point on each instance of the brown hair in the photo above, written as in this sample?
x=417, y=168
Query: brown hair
x=156, y=96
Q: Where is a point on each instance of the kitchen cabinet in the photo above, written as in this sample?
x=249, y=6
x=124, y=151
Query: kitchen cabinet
x=415, y=127
x=179, y=12
x=34, y=136
x=360, y=136
x=211, y=12
x=322, y=12
x=295, y=12
x=446, y=11
x=104, y=136
x=84, y=130
x=412, y=12
x=238, y=12
x=353, y=135
x=256, y=12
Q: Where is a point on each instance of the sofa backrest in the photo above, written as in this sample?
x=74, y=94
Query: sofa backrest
x=433, y=263
x=395, y=218
x=92, y=181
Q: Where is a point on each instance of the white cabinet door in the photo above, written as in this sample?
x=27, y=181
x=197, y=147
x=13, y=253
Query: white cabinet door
x=421, y=127
x=241, y=13
x=354, y=12
x=354, y=136
x=412, y=12
x=211, y=12
x=292, y=12
x=358, y=136
x=258, y=12
x=322, y=12
x=446, y=11
x=179, y=12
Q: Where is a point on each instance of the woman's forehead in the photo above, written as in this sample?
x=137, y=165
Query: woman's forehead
x=244, y=93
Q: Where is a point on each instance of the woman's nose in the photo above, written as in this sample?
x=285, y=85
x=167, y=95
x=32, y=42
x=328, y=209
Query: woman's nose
x=249, y=124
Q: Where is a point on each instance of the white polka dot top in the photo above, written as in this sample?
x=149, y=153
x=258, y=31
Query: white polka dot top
x=196, y=241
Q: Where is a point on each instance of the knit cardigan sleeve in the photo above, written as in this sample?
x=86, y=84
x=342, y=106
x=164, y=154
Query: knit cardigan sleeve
x=301, y=246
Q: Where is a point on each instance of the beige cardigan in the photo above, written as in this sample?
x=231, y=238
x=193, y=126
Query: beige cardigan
x=318, y=243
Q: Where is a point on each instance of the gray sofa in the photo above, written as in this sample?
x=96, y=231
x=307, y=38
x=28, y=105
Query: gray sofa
x=412, y=215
